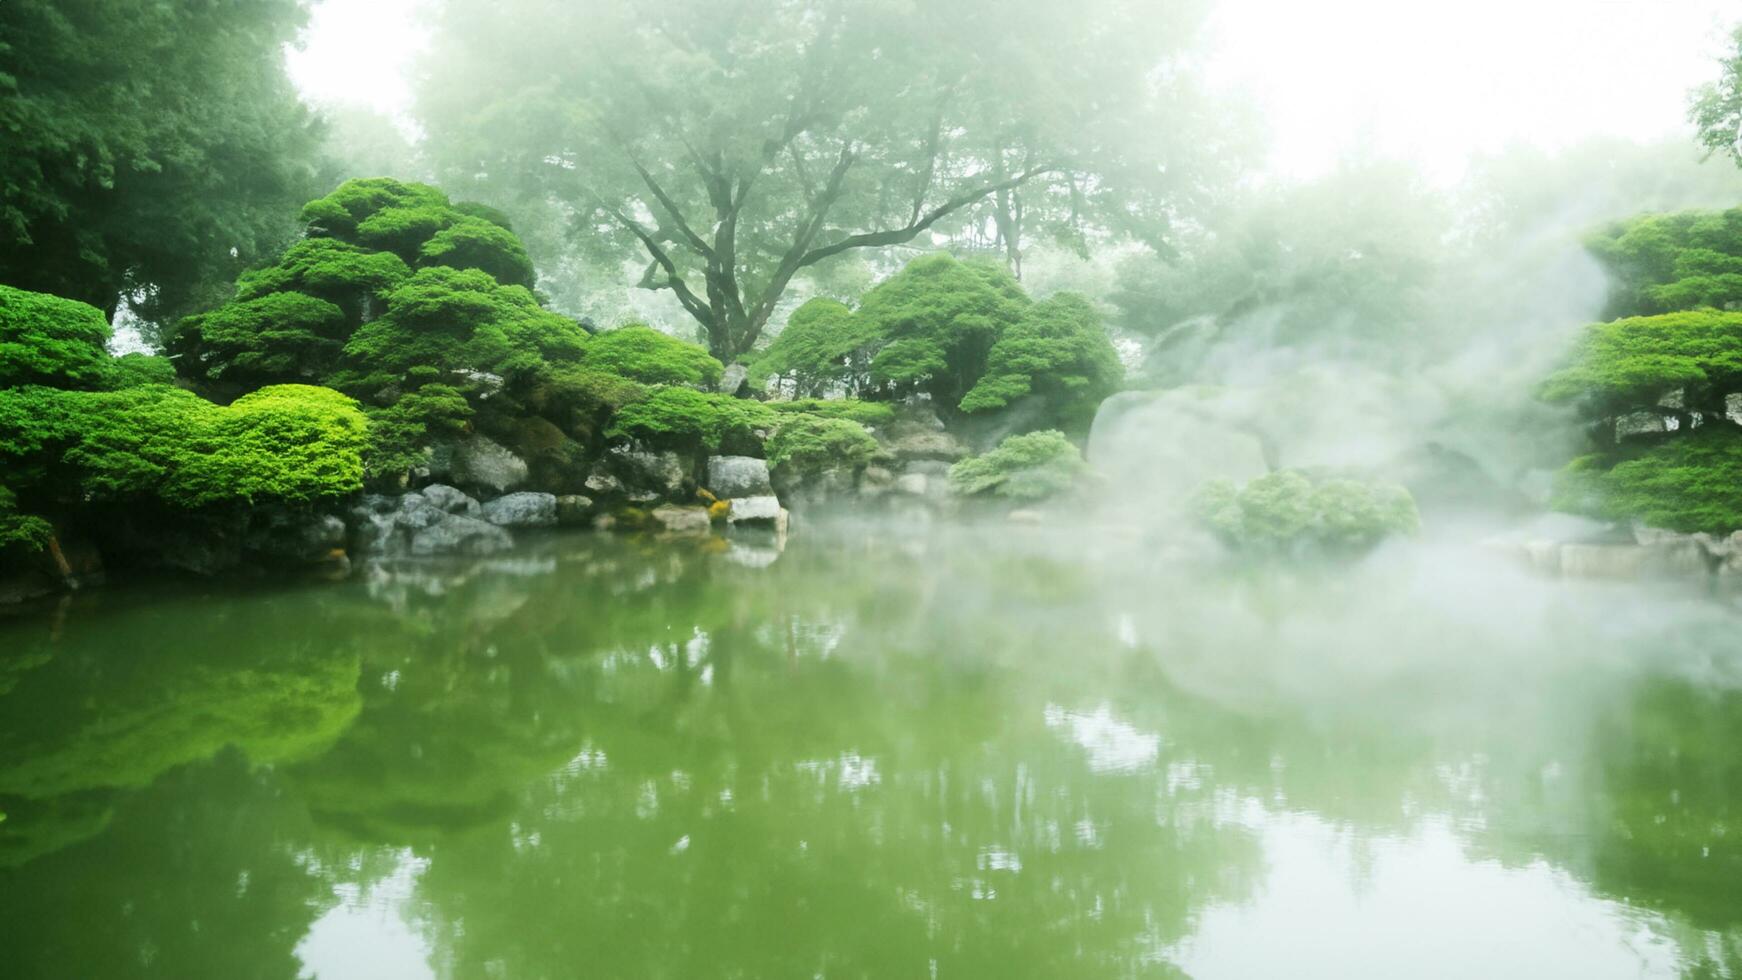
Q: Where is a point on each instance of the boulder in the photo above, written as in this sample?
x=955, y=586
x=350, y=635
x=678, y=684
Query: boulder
x=450, y=500
x=751, y=510
x=732, y=381
x=603, y=483
x=572, y=509
x=416, y=512
x=458, y=535
x=658, y=472
x=683, y=520
x=923, y=438
x=523, y=509
x=738, y=476
x=482, y=464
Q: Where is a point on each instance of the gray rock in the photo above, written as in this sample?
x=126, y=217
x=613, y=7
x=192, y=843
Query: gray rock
x=683, y=520
x=416, y=513
x=603, y=484
x=762, y=509
x=450, y=500
x=661, y=472
x=573, y=509
x=523, y=509
x=738, y=476
x=1641, y=423
x=483, y=464
x=732, y=381
x=457, y=535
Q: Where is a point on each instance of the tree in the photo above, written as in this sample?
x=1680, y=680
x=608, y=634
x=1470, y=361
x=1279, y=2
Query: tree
x=1058, y=357
x=738, y=145
x=153, y=150
x=345, y=296
x=1678, y=261
x=1717, y=106
x=934, y=324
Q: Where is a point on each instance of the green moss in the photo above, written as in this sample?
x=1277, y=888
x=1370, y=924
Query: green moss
x=1286, y=512
x=46, y=340
x=1687, y=483
x=474, y=243
x=1028, y=468
x=813, y=443
x=641, y=353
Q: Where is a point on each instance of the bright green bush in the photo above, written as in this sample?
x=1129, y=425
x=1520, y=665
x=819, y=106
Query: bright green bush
x=1659, y=263
x=641, y=353
x=454, y=319
x=823, y=346
x=1057, y=357
x=1286, y=512
x=333, y=270
x=273, y=338
x=685, y=418
x=474, y=243
x=851, y=409
x=19, y=531
x=291, y=443
x=936, y=320
x=813, y=443
x=400, y=433
x=1026, y=468
x=1687, y=483
x=46, y=340
x=1633, y=362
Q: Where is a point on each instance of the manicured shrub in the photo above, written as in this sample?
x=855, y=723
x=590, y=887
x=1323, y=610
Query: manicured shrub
x=641, y=353
x=851, y=409
x=1687, y=483
x=813, y=443
x=47, y=340
x=1027, y=468
x=1286, y=512
x=684, y=418
x=1056, y=357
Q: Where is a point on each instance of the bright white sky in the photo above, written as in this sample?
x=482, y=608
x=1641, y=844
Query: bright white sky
x=1430, y=81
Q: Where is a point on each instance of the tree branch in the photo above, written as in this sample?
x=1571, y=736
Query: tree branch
x=895, y=236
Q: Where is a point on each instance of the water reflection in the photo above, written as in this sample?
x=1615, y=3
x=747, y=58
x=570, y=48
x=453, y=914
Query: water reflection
x=977, y=754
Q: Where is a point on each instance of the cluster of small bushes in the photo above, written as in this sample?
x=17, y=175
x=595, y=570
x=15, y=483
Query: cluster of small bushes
x=1287, y=513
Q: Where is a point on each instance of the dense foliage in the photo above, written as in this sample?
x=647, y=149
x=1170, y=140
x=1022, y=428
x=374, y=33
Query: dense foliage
x=761, y=142
x=1057, y=355
x=1659, y=263
x=1690, y=483
x=811, y=444
x=1717, y=106
x=1025, y=468
x=152, y=149
x=47, y=340
x=1286, y=512
x=1657, y=386
x=964, y=334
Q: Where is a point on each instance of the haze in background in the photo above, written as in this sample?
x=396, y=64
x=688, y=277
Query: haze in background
x=1434, y=83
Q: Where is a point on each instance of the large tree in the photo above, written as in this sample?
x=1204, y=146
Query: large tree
x=738, y=144
x=151, y=149
x=1717, y=106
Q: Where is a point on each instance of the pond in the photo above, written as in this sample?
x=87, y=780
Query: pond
x=975, y=752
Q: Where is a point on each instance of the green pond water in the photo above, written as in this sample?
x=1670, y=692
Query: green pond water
x=986, y=752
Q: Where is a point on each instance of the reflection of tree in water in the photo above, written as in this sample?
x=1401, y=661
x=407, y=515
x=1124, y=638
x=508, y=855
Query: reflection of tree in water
x=127, y=850
x=808, y=767
x=637, y=759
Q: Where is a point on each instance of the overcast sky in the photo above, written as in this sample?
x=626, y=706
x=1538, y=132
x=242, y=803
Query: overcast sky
x=1430, y=81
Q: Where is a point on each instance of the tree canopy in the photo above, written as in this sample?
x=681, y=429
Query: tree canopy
x=153, y=150
x=1717, y=106
x=758, y=142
